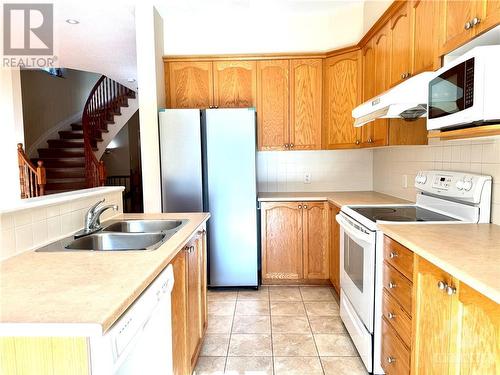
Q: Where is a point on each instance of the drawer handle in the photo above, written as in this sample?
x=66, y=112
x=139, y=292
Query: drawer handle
x=393, y=255
x=391, y=315
x=391, y=359
x=391, y=285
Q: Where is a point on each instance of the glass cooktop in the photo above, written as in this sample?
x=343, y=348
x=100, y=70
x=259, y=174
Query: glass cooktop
x=401, y=213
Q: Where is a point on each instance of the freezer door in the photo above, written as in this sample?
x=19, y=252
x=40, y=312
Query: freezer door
x=180, y=149
x=231, y=196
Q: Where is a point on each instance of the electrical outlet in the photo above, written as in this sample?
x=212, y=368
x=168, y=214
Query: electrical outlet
x=307, y=178
x=404, y=181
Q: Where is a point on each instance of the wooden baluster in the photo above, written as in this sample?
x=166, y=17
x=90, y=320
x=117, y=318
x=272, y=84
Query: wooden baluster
x=41, y=177
x=102, y=173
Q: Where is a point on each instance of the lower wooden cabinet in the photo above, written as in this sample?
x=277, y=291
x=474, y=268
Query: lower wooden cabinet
x=334, y=247
x=295, y=241
x=189, y=306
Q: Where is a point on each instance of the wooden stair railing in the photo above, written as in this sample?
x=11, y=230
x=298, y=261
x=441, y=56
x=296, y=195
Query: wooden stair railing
x=31, y=178
x=105, y=100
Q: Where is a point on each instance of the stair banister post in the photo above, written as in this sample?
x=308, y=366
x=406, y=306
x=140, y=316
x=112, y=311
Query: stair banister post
x=102, y=173
x=41, y=177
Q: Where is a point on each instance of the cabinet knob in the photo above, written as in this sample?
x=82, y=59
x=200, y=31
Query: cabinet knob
x=390, y=359
x=300, y=206
x=292, y=145
x=216, y=106
x=393, y=255
x=305, y=206
x=370, y=140
x=287, y=145
x=391, y=315
x=442, y=285
x=402, y=75
x=357, y=142
x=391, y=285
x=450, y=290
x=467, y=26
x=475, y=21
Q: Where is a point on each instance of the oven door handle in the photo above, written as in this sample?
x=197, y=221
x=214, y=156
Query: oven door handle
x=352, y=232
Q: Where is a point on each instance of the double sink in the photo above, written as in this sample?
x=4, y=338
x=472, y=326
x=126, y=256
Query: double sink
x=122, y=235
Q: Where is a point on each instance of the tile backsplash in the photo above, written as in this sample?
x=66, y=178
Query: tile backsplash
x=336, y=170
x=392, y=165
x=29, y=228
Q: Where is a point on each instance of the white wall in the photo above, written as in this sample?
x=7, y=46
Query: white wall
x=338, y=170
x=12, y=133
x=151, y=78
x=248, y=28
x=477, y=156
x=372, y=11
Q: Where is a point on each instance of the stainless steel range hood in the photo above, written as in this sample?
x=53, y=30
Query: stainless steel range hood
x=408, y=100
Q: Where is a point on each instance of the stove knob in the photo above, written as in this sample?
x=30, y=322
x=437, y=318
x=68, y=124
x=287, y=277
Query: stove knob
x=423, y=179
x=460, y=184
x=467, y=185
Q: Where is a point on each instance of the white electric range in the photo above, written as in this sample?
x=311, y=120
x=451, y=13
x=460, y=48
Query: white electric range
x=442, y=197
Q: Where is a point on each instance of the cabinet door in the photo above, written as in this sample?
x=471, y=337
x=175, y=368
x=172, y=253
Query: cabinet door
x=194, y=300
x=235, y=84
x=341, y=94
x=381, y=44
x=400, y=45
x=315, y=240
x=432, y=320
x=189, y=84
x=181, y=359
x=454, y=16
x=368, y=62
x=281, y=240
x=334, y=248
x=489, y=13
x=305, y=104
x=403, y=132
x=272, y=104
x=478, y=343
x=424, y=42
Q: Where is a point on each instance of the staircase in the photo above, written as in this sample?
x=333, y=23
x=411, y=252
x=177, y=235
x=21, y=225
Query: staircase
x=69, y=160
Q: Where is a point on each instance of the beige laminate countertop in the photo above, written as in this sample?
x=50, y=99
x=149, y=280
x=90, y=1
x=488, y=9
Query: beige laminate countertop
x=339, y=199
x=89, y=289
x=469, y=252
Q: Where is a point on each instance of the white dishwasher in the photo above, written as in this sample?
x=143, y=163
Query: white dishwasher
x=140, y=342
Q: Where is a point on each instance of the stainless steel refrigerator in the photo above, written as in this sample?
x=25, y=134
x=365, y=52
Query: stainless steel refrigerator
x=208, y=164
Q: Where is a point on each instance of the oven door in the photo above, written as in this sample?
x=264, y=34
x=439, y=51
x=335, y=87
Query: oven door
x=357, y=267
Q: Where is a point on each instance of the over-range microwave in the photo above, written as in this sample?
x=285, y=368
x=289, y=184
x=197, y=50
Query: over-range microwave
x=466, y=92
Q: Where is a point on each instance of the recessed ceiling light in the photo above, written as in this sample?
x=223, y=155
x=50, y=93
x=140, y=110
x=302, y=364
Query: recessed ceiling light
x=72, y=21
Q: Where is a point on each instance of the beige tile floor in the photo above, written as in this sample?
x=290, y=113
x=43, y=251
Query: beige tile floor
x=278, y=330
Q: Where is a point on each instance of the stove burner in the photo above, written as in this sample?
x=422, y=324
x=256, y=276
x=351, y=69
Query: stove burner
x=393, y=218
x=385, y=210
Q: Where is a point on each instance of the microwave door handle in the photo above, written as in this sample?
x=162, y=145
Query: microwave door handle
x=360, y=236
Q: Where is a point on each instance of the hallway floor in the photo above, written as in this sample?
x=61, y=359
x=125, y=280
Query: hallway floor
x=277, y=330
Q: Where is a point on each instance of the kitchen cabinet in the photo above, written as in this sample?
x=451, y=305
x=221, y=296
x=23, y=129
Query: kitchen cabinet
x=273, y=104
x=315, y=240
x=424, y=42
x=461, y=21
x=368, y=64
x=342, y=85
x=196, y=303
x=295, y=242
x=189, y=84
x=457, y=330
x=334, y=248
x=400, y=68
x=181, y=362
x=305, y=104
x=235, y=84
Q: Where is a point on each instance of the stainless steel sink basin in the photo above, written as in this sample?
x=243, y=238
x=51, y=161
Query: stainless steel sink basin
x=144, y=226
x=118, y=241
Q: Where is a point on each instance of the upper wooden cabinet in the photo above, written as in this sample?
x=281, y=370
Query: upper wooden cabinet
x=400, y=63
x=189, y=84
x=235, y=84
x=463, y=20
x=305, y=104
x=424, y=40
x=273, y=104
x=342, y=85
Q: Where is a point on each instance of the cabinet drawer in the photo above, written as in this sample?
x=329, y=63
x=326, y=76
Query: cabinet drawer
x=398, y=287
x=398, y=256
x=397, y=318
x=395, y=357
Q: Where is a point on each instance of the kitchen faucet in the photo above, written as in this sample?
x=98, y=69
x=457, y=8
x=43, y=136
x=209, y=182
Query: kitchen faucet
x=93, y=218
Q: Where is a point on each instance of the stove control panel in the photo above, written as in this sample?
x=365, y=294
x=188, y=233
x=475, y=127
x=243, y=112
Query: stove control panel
x=462, y=186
